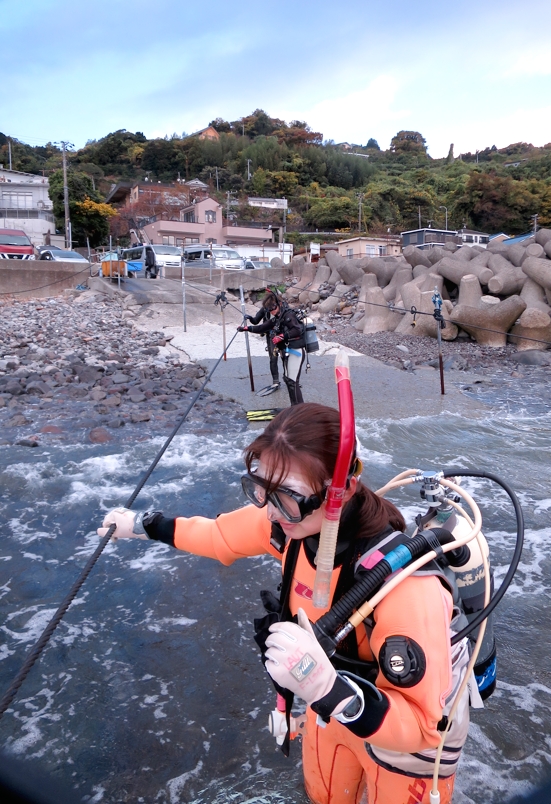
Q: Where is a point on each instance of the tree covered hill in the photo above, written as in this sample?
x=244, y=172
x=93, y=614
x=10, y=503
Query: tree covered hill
x=492, y=190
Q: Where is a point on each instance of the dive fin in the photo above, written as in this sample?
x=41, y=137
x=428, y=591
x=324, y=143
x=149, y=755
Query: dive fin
x=269, y=389
x=262, y=415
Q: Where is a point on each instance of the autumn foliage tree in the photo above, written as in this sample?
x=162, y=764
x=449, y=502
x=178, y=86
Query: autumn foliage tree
x=89, y=215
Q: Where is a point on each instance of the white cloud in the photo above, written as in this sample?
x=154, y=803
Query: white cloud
x=530, y=62
x=355, y=116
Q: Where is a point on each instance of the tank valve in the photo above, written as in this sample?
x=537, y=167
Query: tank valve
x=431, y=490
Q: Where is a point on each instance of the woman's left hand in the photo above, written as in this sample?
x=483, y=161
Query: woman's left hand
x=296, y=660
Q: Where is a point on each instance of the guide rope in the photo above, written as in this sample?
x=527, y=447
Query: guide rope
x=42, y=641
x=400, y=310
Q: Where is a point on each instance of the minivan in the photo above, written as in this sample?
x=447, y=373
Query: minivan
x=213, y=256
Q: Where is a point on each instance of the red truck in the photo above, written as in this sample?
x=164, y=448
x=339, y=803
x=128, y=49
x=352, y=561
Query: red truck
x=15, y=245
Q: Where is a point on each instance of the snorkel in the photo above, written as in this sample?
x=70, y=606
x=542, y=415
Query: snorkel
x=335, y=494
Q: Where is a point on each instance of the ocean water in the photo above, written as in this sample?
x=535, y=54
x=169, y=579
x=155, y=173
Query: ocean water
x=151, y=689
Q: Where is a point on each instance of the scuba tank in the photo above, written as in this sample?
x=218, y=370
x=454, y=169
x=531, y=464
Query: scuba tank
x=468, y=577
x=311, y=343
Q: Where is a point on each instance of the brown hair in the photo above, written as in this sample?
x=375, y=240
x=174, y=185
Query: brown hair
x=309, y=434
x=271, y=301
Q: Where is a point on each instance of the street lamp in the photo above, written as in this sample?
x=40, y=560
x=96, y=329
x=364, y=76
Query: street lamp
x=443, y=207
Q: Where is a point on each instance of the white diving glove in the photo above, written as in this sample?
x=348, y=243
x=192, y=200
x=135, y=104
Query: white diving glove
x=297, y=662
x=129, y=524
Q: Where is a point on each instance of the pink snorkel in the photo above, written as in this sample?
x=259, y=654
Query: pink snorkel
x=337, y=489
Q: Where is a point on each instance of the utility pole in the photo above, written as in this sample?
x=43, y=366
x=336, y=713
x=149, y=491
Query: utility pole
x=360, y=197
x=419, y=212
x=249, y=169
x=9, y=151
x=217, y=186
x=68, y=237
x=535, y=218
x=443, y=207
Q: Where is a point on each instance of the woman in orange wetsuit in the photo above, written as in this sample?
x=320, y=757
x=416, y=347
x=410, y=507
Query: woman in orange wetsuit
x=374, y=709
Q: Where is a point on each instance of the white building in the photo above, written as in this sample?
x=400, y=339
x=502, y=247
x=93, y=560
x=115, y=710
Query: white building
x=25, y=204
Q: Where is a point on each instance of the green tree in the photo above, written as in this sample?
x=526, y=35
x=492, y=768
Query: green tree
x=89, y=217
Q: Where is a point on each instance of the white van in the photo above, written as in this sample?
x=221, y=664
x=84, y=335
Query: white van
x=214, y=256
x=152, y=259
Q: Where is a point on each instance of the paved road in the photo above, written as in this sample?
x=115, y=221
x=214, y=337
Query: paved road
x=380, y=391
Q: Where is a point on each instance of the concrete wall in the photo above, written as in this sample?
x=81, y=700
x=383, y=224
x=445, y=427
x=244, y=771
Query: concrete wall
x=32, y=279
x=251, y=280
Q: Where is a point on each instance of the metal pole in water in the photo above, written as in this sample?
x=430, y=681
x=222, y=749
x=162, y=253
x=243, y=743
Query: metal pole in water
x=184, y=291
x=440, y=360
x=440, y=324
x=222, y=289
x=247, y=347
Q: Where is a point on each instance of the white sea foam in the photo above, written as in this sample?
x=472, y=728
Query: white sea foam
x=175, y=786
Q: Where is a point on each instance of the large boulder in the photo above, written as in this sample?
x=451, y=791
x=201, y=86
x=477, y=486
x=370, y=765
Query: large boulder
x=489, y=325
x=276, y=262
x=539, y=270
x=532, y=327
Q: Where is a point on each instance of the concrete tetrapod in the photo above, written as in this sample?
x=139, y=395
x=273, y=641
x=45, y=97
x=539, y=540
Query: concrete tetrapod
x=470, y=291
x=535, y=324
x=307, y=274
x=350, y=272
x=543, y=236
x=378, y=316
x=507, y=281
x=332, y=302
x=401, y=277
x=382, y=270
x=539, y=270
x=534, y=296
x=453, y=270
x=426, y=325
x=368, y=281
x=322, y=275
x=498, y=317
x=415, y=257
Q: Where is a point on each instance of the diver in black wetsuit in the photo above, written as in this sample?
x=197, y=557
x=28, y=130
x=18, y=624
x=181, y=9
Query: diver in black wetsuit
x=286, y=333
x=262, y=316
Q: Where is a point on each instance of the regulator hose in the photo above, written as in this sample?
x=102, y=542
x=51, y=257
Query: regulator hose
x=327, y=625
x=481, y=616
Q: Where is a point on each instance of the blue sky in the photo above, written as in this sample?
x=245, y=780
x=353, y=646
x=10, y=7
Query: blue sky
x=472, y=73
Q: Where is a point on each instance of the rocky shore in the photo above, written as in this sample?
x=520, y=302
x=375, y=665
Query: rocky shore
x=75, y=367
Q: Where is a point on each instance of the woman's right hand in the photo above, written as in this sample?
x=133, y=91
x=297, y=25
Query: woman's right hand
x=128, y=524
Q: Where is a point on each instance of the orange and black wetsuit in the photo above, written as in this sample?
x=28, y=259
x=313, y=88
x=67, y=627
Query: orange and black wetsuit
x=394, y=756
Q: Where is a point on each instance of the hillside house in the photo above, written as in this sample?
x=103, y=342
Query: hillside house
x=203, y=222
x=356, y=247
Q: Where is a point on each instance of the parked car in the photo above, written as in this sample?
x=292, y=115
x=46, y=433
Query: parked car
x=15, y=245
x=214, y=256
x=253, y=264
x=60, y=255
